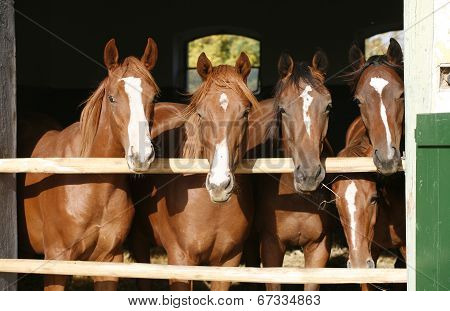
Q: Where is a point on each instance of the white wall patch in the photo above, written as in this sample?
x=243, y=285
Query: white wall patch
x=307, y=100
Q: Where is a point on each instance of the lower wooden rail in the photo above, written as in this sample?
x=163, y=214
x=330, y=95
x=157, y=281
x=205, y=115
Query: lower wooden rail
x=236, y=274
x=172, y=166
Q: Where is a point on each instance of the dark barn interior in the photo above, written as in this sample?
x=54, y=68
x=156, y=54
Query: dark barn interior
x=60, y=44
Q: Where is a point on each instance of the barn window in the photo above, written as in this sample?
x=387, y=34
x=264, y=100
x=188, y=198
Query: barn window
x=222, y=49
x=378, y=44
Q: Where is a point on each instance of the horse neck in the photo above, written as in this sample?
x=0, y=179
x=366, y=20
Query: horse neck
x=262, y=130
x=357, y=141
x=106, y=143
x=191, y=146
x=358, y=146
x=365, y=147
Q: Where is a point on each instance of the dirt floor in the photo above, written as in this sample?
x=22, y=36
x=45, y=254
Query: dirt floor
x=293, y=258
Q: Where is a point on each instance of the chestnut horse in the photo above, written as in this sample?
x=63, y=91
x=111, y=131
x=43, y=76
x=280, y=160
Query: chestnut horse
x=371, y=211
x=378, y=85
x=200, y=225
x=87, y=217
x=288, y=213
x=371, y=208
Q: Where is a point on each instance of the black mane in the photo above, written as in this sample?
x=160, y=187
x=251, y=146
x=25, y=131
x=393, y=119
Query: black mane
x=301, y=73
x=375, y=60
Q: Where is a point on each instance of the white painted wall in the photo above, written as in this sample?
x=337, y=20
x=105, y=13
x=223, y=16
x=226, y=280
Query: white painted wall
x=441, y=55
x=427, y=46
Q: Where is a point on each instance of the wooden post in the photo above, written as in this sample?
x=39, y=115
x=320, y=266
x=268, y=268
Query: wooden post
x=8, y=212
x=417, y=98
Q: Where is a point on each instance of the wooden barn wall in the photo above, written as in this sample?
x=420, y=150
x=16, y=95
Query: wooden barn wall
x=8, y=213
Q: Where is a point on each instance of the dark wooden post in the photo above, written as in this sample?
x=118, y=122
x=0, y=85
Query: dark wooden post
x=8, y=207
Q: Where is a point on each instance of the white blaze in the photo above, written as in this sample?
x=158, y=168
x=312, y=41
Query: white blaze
x=307, y=100
x=223, y=101
x=378, y=84
x=220, y=169
x=138, y=124
x=350, y=197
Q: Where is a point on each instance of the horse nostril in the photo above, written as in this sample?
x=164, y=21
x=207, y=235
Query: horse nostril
x=370, y=264
x=318, y=172
x=394, y=150
x=207, y=183
x=376, y=153
x=226, y=183
x=349, y=265
x=299, y=176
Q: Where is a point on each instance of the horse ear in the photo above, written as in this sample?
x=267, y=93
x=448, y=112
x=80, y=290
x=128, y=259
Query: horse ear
x=320, y=61
x=150, y=54
x=204, y=66
x=285, y=65
x=394, y=52
x=356, y=57
x=243, y=66
x=111, y=55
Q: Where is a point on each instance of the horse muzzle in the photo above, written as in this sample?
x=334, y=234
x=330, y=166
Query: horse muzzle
x=308, y=179
x=368, y=263
x=138, y=162
x=387, y=165
x=220, y=188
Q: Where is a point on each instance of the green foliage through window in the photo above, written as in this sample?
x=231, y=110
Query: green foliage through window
x=223, y=49
x=378, y=44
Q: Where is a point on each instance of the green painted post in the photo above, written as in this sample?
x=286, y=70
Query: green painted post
x=433, y=202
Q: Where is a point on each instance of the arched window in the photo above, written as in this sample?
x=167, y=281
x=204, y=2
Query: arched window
x=378, y=44
x=222, y=49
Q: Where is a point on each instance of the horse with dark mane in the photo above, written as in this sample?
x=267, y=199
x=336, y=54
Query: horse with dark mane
x=87, y=217
x=287, y=205
x=198, y=219
x=372, y=207
x=378, y=87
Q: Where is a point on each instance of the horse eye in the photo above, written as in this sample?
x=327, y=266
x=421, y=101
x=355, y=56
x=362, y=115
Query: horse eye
x=374, y=199
x=329, y=108
x=111, y=99
x=246, y=112
x=356, y=100
x=281, y=109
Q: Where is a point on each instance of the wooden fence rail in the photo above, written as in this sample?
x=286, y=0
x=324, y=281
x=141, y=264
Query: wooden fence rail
x=235, y=274
x=171, y=166
x=151, y=271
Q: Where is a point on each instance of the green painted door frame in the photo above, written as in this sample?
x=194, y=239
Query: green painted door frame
x=433, y=202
